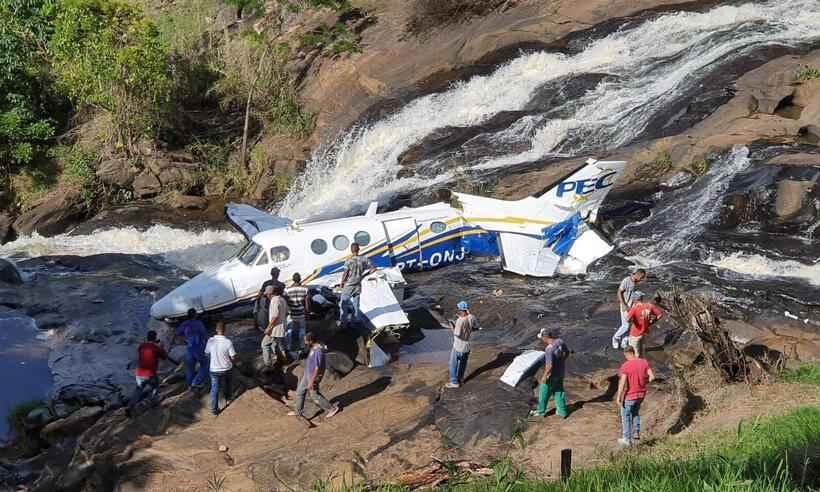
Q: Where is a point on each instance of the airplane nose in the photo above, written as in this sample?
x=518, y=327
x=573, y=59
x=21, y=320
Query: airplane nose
x=162, y=309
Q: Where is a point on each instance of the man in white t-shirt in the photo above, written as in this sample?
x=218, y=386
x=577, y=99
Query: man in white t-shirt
x=625, y=290
x=222, y=354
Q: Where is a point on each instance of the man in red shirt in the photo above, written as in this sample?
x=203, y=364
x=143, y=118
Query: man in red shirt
x=634, y=374
x=149, y=353
x=641, y=316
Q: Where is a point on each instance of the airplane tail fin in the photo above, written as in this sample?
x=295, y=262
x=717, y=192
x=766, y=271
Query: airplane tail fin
x=584, y=190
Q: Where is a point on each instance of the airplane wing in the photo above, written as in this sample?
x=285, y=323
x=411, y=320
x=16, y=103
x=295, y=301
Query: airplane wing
x=251, y=221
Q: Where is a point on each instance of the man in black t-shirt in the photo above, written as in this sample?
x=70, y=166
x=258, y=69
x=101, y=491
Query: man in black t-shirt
x=260, y=306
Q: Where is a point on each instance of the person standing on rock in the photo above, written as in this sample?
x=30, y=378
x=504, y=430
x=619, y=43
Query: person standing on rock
x=298, y=307
x=223, y=356
x=195, y=335
x=273, y=342
x=309, y=383
x=260, y=306
x=641, y=316
x=634, y=374
x=149, y=354
x=625, y=290
x=462, y=330
x=356, y=268
x=551, y=381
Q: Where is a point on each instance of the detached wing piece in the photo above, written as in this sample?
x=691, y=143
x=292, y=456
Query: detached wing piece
x=251, y=221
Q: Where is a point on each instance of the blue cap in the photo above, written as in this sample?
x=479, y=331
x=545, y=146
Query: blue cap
x=463, y=306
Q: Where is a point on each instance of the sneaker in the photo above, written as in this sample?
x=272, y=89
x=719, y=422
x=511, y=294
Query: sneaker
x=292, y=413
x=624, y=443
x=616, y=343
x=534, y=413
x=333, y=412
x=452, y=385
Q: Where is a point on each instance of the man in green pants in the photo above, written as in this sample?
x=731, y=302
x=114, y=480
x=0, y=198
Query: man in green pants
x=552, y=379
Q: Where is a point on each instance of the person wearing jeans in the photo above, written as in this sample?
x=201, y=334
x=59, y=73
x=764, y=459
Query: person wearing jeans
x=146, y=387
x=309, y=383
x=462, y=330
x=356, y=268
x=634, y=374
x=220, y=349
x=195, y=335
x=149, y=354
x=625, y=290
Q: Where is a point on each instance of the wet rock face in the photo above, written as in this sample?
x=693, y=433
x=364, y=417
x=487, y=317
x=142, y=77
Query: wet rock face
x=53, y=214
x=778, y=197
x=6, y=231
x=72, y=425
x=9, y=273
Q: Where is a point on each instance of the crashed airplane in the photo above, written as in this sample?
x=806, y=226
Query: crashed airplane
x=536, y=236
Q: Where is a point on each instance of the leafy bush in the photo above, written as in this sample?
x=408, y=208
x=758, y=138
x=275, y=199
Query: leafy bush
x=107, y=54
x=78, y=171
x=806, y=72
x=337, y=39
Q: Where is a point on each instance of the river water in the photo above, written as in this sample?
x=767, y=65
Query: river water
x=94, y=290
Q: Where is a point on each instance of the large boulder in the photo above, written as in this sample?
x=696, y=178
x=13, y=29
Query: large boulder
x=180, y=175
x=72, y=425
x=53, y=214
x=9, y=272
x=118, y=172
x=6, y=230
x=147, y=185
x=771, y=84
x=790, y=197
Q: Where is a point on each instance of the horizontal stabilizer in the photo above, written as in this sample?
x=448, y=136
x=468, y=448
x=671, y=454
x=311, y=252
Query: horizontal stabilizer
x=526, y=255
x=251, y=221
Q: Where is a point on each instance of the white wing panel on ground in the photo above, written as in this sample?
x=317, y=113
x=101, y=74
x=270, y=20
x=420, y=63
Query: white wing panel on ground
x=378, y=301
x=521, y=366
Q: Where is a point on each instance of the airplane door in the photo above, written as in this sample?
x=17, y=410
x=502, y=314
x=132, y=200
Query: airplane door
x=403, y=240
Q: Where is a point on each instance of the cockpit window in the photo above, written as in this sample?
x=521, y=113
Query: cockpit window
x=263, y=259
x=278, y=254
x=249, y=253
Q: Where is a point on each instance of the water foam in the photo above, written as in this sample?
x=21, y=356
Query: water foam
x=185, y=249
x=761, y=266
x=649, y=65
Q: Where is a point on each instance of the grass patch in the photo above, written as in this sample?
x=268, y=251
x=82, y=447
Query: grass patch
x=807, y=72
x=805, y=374
x=778, y=454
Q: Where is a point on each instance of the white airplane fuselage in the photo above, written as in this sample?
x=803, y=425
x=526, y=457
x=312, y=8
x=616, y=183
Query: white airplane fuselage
x=412, y=239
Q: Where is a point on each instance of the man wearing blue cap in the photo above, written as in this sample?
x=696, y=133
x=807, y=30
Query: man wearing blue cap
x=462, y=329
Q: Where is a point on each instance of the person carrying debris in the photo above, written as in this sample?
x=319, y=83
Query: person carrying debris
x=356, y=268
x=274, y=338
x=195, y=335
x=641, y=316
x=625, y=291
x=298, y=306
x=222, y=354
x=309, y=383
x=149, y=354
x=551, y=381
x=634, y=374
x=260, y=306
x=462, y=330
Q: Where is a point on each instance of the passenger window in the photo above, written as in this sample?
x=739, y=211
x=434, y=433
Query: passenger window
x=362, y=238
x=341, y=242
x=278, y=254
x=438, y=227
x=263, y=259
x=318, y=246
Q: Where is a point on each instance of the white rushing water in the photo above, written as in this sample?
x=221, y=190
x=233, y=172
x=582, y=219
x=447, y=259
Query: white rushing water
x=185, y=249
x=682, y=215
x=761, y=266
x=648, y=66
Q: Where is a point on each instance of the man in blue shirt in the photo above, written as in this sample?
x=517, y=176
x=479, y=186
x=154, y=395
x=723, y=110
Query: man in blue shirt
x=195, y=335
x=309, y=383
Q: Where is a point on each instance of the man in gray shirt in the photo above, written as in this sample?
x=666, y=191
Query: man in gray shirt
x=462, y=330
x=356, y=268
x=625, y=291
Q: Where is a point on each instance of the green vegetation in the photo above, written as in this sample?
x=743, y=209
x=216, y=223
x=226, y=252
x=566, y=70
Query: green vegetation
x=806, y=72
x=805, y=374
x=78, y=171
x=17, y=415
x=106, y=54
x=770, y=455
x=337, y=39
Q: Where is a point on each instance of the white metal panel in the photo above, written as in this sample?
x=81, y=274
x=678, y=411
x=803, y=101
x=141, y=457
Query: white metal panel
x=377, y=301
x=396, y=229
x=588, y=247
x=526, y=255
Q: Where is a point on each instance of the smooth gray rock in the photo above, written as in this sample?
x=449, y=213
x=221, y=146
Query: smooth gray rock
x=9, y=272
x=73, y=425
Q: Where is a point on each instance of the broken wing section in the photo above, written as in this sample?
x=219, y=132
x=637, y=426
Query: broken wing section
x=251, y=221
x=379, y=302
x=547, y=255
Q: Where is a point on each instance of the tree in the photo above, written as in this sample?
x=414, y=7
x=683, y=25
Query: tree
x=25, y=127
x=106, y=54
